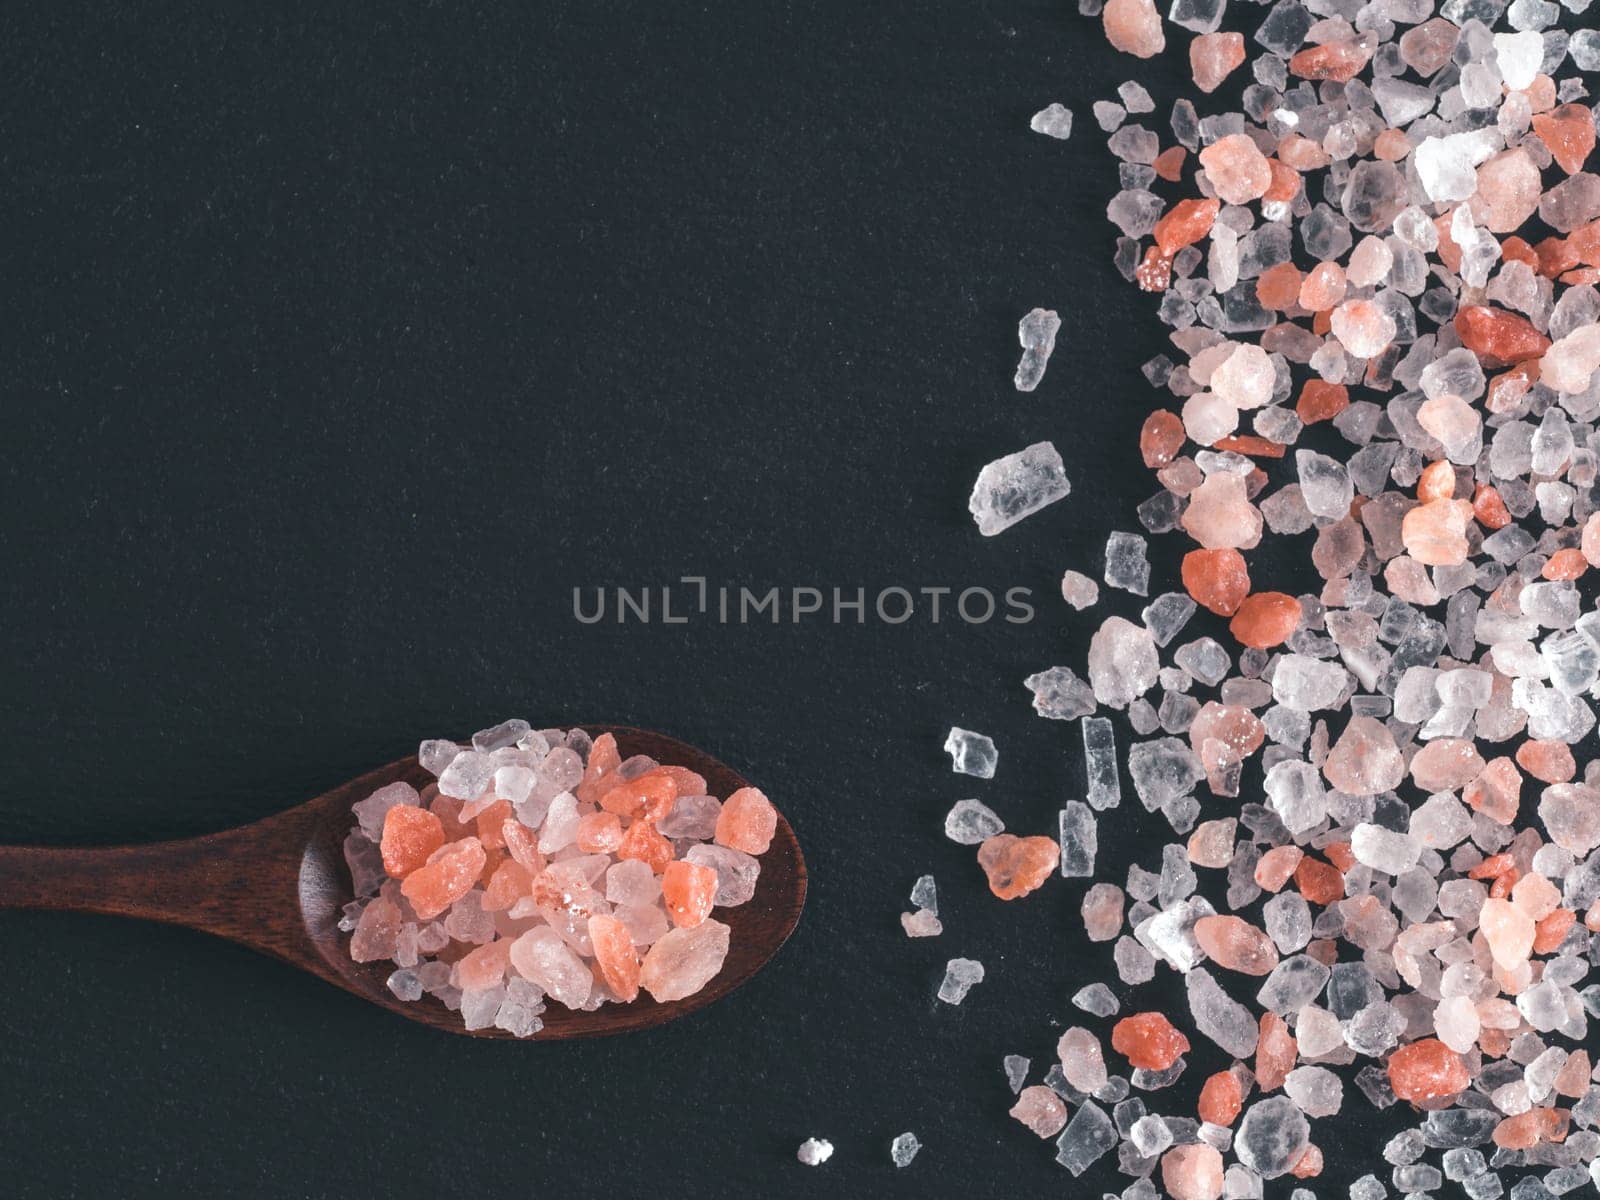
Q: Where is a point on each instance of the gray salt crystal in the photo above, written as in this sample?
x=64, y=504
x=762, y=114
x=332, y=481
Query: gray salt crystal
x=1016, y=486
x=1163, y=770
x=971, y=821
x=971, y=753
x=904, y=1148
x=365, y=861
x=1217, y=1015
x=691, y=817
x=405, y=985
x=1097, y=998
x=434, y=755
x=1054, y=120
x=1126, y=564
x=960, y=974
x=1059, y=694
x=1087, y=1137
x=1016, y=1068
x=498, y=737
x=370, y=813
x=1100, y=763
x=1135, y=964
x=1292, y=984
x=736, y=872
x=1204, y=659
x=1079, y=839
x=925, y=894
x=1272, y=1136
x=1037, y=334
x=478, y=1009
x=1166, y=616
x=1197, y=16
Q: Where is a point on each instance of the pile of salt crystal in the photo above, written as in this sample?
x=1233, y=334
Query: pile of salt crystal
x=542, y=866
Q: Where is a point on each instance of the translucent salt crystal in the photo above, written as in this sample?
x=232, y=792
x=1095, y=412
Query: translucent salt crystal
x=904, y=1148
x=478, y=1008
x=468, y=775
x=370, y=813
x=365, y=861
x=1096, y=998
x=1150, y=1135
x=691, y=817
x=1272, y=1136
x=960, y=975
x=405, y=985
x=814, y=1152
x=1037, y=334
x=1040, y=1110
x=1079, y=839
x=1217, y=1015
x=1059, y=694
x=925, y=893
x=1079, y=590
x=1126, y=565
x=1088, y=1136
x=497, y=737
x=1100, y=763
x=737, y=872
x=682, y=961
x=1054, y=120
x=971, y=753
x=921, y=923
x=435, y=755
x=1317, y=1091
x=1204, y=659
x=1383, y=849
x=1166, y=616
x=560, y=825
x=1102, y=912
x=1324, y=484
x=1123, y=663
x=1016, y=486
x=1016, y=1069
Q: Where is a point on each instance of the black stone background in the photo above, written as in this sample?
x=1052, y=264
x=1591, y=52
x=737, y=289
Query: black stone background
x=342, y=342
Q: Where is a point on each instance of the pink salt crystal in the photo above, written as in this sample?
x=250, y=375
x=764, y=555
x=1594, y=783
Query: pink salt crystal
x=1339, y=61
x=542, y=958
x=1212, y=843
x=1362, y=327
x=447, y=876
x=747, y=821
x=1508, y=191
x=1220, y=515
x=1409, y=580
x=1571, y=362
x=1276, y=1051
x=1215, y=56
x=1572, y=1081
x=1569, y=133
x=1237, y=169
x=1234, y=943
x=1427, y=1070
x=376, y=932
x=1041, y=1110
x=1548, y=762
x=1246, y=378
x=1224, y=735
x=1134, y=27
x=1102, y=912
x=615, y=956
x=1192, y=1172
x=684, y=960
x=1436, y=534
x=1275, y=867
x=483, y=967
x=1324, y=286
x=1365, y=761
x=1497, y=792
x=1508, y=931
x=1446, y=764
x=1536, y=896
x=1427, y=47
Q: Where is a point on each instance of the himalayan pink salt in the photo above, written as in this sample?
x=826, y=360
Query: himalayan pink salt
x=410, y=836
x=483, y=967
x=1276, y=867
x=1212, y=843
x=1224, y=735
x=1184, y=224
x=1571, y=362
x=1134, y=27
x=1438, y=482
x=1324, y=286
x=1498, y=337
x=1565, y=564
x=684, y=961
x=1217, y=579
x=1102, y=912
x=1508, y=931
x=1590, y=543
x=1426, y=48
x=1221, y=1098
x=1042, y=1111
x=448, y=875
x=1550, y=762
x=688, y=890
x=1235, y=944
x=1246, y=377
x=1276, y=1052
x=1496, y=792
x=1508, y=191
x=1339, y=61
x=1525, y=1130
x=510, y=882
x=542, y=958
x=1161, y=438
x=1237, y=169
x=1215, y=56
x=747, y=821
x=1362, y=327
x=1148, y=1040
x=1427, y=1070
x=644, y=842
x=1320, y=401
x=1265, y=619
x=377, y=932
x=615, y=956
x=1192, y=1172
x=1220, y=515
x=599, y=832
x=1365, y=761
x=1446, y=764
x=1435, y=534
x=1572, y=1081
x=1278, y=287
x=1017, y=865
x=1569, y=134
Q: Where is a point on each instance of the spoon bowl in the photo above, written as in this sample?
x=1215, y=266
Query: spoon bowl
x=280, y=885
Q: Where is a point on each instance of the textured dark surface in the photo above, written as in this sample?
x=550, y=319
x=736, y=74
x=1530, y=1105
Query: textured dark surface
x=339, y=348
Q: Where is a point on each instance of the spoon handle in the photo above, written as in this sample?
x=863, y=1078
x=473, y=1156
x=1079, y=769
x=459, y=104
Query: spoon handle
x=241, y=884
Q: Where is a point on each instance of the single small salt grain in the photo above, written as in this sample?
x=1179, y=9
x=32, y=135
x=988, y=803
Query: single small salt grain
x=1054, y=120
x=1016, y=1069
x=1037, y=334
x=1079, y=590
x=959, y=977
x=971, y=753
x=904, y=1148
x=970, y=822
x=814, y=1152
x=1016, y=486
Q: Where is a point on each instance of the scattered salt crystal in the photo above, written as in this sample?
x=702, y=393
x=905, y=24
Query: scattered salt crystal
x=814, y=1152
x=959, y=977
x=1016, y=486
x=1054, y=120
x=970, y=822
x=1079, y=590
x=904, y=1148
x=971, y=753
x=1037, y=334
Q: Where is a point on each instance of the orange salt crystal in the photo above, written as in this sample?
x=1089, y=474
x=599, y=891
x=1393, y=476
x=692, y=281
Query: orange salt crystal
x=1235, y=944
x=1591, y=919
x=1569, y=133
x=1276, y=1051
x=1336, y=61
x=1582, y=277
x=1499, y=337
x=1154, y=272
x=1017, y=865
x=1184, y=224
x=1502, y=885
x=1285, y=181
x=1556, y=255
x=1340, y=855
x=1565, y=564
x=1572, y=1081
x=510, y=882
x=1319, y=401
x=1488, y=509
x=615, y=955
x=410, y=834
x=599, y=832
x=1169, y=163
x=688, y=889
x=1302, y=153
x=747, y=821
x=1276, y=866
x=489, y=823
x=1221, y=1098
x=1265, y=619
x=1515, y=249
x=643, y=842
x=448, y=810
x=689, y=783
x=1528, y=1129
x=448, y=875
x=603, y=759
x=1318, y=882
x=1549, y=761
x=483, y=967
x=1497, y=792
x=1279, y=287
x=1160, y=438
x=1309, y=1165
x=1249, y=444
x=1550, y=930
x=1438, y=482
x=648, y=793
x=1492, y=867
x=1216, y=579
x=1134, y=27
x=492, y=860
x=1213, y=57
x=1323, y=288
x=1148, y=1040
x=522, y=845
x=1392, y=145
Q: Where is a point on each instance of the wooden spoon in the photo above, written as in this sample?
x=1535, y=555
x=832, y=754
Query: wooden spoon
x=279, y=886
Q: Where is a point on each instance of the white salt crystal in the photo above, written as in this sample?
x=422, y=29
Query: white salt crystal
x=971, y=753
x=904, y=1148
x=814, y=1152
x=960, y=975
x=1037, y=334
x=1054, y=120
x=972, y=821
x=1016, y=486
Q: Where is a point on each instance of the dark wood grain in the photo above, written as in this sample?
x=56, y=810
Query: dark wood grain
x=279, y=886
